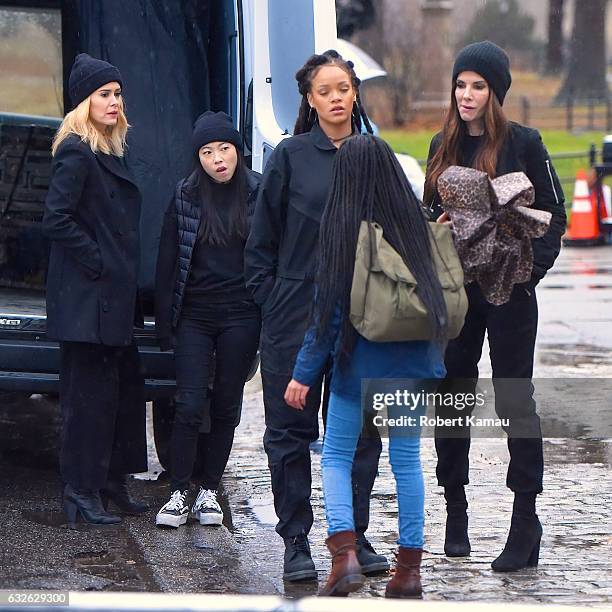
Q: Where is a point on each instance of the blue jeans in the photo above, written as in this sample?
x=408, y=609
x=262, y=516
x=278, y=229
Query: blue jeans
x=344, y=424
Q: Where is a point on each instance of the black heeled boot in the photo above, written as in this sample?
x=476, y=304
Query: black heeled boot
x=523, y=545
x=116, y=490
x=89, y=505
x=456, y=540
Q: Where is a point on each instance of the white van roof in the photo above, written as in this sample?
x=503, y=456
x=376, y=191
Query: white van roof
x=366, y=67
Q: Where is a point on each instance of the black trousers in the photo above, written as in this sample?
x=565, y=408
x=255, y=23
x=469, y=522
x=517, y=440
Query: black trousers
x=511, y=330
x=103, y=408
x=287, y=440
x=226, y=335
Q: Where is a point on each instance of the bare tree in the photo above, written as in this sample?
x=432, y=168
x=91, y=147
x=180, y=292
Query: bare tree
x=394, y=41
x=554, y=45
x=586, y=76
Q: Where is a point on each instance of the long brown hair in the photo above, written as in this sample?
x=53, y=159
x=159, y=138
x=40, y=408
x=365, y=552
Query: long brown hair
x=453, y=137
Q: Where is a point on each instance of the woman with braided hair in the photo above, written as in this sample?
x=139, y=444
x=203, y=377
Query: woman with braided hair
x=370, y=187
x=280, y=262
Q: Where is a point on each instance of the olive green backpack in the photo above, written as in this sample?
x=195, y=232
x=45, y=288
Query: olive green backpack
x=385, y=306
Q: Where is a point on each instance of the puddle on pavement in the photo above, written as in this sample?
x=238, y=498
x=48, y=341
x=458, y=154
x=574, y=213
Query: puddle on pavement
x=263, y=509
x=573, y=354
x=124, y=567
x=58, y=520
x=564, y=541
x=105, y=564
x=572, y=451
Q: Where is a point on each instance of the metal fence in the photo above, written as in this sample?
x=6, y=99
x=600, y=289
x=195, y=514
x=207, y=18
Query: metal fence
x=535, y=111
x=590, y=116
x=567, y=182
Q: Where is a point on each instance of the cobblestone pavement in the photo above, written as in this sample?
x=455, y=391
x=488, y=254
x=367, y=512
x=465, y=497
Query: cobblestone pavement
x=575, y=340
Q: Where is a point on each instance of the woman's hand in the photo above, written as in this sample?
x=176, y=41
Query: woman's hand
x=295, y=395
x=443, y=218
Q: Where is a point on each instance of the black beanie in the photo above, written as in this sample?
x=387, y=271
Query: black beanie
x=490, y=62
x=89, y=74
x=214, y=127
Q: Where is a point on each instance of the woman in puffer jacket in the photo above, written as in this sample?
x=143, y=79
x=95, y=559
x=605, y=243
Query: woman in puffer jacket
x=204, y=310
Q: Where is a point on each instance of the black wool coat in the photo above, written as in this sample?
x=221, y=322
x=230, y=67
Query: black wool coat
x=176, y=246
x=92, y=215
x=524, y=151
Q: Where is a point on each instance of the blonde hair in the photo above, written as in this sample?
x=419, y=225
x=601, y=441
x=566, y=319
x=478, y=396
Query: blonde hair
x=77, y=122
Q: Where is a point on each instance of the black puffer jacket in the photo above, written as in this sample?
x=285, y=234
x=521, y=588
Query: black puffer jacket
x=525, y=152
x=176, y=245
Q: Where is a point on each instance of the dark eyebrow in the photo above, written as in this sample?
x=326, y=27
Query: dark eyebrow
x=331, y=84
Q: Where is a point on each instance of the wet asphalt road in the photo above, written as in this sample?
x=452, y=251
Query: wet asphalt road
x=245, y=555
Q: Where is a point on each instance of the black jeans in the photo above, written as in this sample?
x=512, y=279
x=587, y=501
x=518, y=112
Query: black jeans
x=287, y=440
x=103, y=409
x=229, y=333
x=511, y=330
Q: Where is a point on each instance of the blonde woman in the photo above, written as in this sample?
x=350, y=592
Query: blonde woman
x=91, y=216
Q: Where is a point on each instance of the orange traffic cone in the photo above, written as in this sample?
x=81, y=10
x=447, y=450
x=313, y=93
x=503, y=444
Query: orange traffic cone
x=584, y=219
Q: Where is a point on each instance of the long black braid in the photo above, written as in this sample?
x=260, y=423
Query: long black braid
x=369, y=184
x=307, y=115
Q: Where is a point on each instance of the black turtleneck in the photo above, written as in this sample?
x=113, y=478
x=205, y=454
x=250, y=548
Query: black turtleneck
x=471, y=144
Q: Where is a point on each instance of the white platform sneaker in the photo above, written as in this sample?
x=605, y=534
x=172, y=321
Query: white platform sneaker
x=207, y=509
x=175, y=511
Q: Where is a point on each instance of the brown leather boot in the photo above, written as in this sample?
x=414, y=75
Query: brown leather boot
x=345, y=576
x=406, y=582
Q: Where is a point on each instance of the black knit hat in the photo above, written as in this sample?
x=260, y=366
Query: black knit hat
x=89, y=74
x=214, y=127
x=490, y=62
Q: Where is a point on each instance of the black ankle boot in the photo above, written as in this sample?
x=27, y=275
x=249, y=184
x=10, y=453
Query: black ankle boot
x=298, y=564
x=371, y=562
x=456, y=540
x=523, y=545
x=89, y=505
x=116, y=490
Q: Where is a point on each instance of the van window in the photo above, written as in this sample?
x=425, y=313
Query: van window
x=291, y=32
x=31, y=61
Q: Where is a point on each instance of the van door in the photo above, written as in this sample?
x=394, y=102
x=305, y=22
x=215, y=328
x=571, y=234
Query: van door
x=284, y=35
